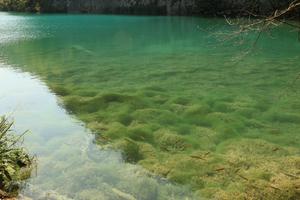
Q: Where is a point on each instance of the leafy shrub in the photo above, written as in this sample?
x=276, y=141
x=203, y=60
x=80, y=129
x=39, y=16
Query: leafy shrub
x=15, y=163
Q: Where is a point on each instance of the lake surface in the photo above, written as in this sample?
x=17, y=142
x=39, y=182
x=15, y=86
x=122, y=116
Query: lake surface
x=109, y=99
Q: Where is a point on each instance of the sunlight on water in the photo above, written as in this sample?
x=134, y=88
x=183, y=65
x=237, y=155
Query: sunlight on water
x=166, y=93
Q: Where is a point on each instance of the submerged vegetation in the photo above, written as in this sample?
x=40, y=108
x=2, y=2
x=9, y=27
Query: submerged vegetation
x=219, y=150
x=175, y=104
x=15, y=163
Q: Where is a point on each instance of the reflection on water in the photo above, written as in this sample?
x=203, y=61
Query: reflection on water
x=70, y=166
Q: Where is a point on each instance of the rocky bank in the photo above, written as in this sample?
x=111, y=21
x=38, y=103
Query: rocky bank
x=147, y=7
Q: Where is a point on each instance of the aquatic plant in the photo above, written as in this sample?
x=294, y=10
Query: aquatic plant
x=168, y=141
x=130, y=150
x=176, y=106
x=15, y=162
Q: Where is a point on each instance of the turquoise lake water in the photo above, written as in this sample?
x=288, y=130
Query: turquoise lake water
x=113, y=102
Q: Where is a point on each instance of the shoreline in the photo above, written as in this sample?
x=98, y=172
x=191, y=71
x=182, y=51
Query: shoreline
x=220, y=8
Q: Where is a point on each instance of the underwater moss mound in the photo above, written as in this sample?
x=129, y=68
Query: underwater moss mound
x=256, y=169
x=15, y=163
x=170, y=142
x=130, y=150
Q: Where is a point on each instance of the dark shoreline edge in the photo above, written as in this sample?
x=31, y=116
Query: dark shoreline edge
x=203, y=8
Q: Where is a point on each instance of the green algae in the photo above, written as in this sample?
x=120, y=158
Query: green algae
x=183, y=110
x=130, y=150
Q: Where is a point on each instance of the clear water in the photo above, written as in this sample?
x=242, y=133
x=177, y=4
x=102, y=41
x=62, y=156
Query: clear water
x=164, y=90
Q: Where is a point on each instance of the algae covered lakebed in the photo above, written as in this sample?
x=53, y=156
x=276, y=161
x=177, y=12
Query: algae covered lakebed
x=172, y=97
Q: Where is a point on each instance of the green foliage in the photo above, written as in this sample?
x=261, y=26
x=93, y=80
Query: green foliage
x=15, y=163
x=19, y=5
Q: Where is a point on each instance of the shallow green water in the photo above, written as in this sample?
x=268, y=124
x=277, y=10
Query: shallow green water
x=162, y=89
